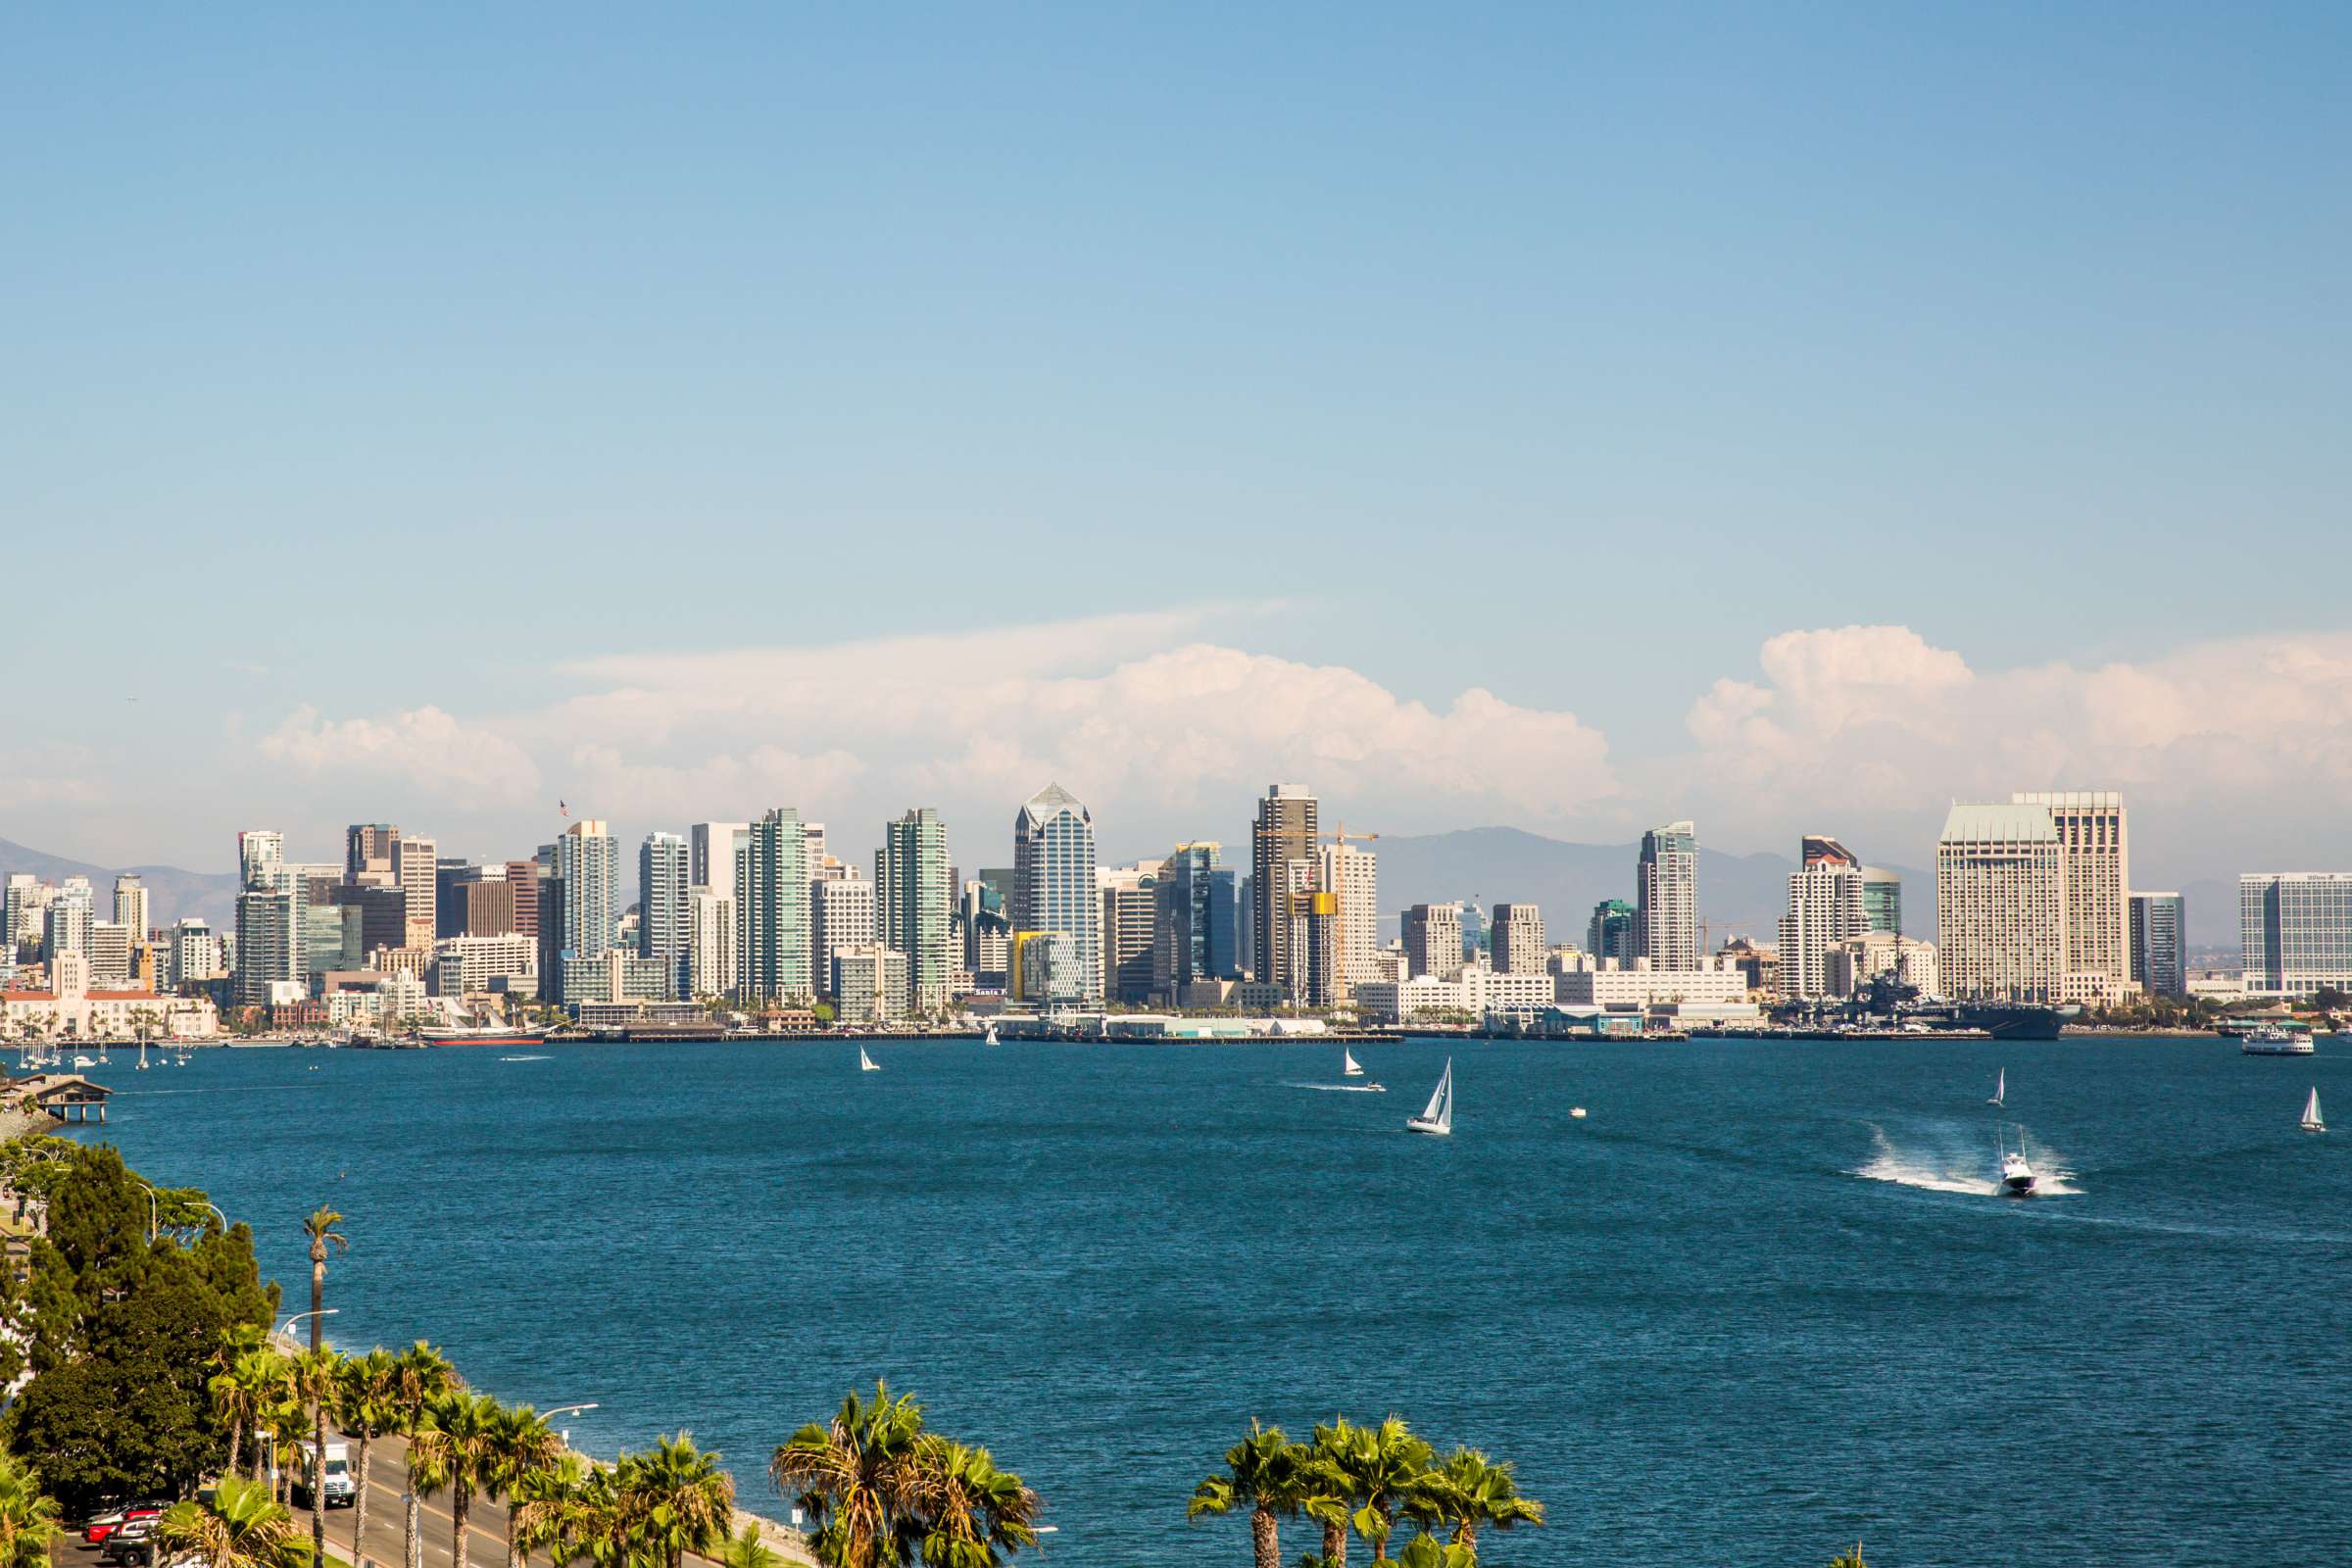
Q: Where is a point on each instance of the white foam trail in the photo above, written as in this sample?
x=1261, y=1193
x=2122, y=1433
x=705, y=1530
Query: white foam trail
x=1342, y=1089
x=1956, y=1169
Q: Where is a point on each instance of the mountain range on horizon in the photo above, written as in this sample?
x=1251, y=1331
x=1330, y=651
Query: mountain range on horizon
x=1738, y=894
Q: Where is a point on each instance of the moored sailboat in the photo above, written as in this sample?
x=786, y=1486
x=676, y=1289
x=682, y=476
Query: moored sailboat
x=1437, y=1117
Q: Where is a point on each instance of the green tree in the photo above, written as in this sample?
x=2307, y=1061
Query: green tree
x=521, y=1447
x=973, y=1512
x=855, y=1477
x=1469, y=1493
x=1852, y=1559
x=364, y=1408
x=744, y=1550
x=314, y=1377
x=242, y=1526
x=421, y=1377
x=27, y=1517
x=1330, y=1489
x=243, y=1394
x=454, y=1454
x=1383, y=1465
x=1264, y=1474
x=681, y=1499
x=319, y=1231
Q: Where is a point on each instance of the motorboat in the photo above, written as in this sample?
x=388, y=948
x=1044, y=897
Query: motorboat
x=2017, y=1176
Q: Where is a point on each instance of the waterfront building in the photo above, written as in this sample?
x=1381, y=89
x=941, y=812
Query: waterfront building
x=269, y=945
x=1194, y=918
x=1853, y=964
x=1433, y=939
x=1283, y=843
x=1129, y=895
x=712, y=961
x=69, y=1005
x=1244, y=922
x=2092, y=832
x=1713, y=982
x=2295, y=932
x=2159, y=965
x=1609, y=934
x=470, y=966
x=713, y=850
x=2001, y=904
x=1519, y=946
x=1825, y=908
x=987, y=934
x=1047, y=970
x=663, y=910
x=915, y=901
x=870, y=984
x=1759, y=961
x=23, y=914
x=1317, y=948
x=1882, y=899
x=584, y=877
x=418, y=869
x=332, y=936
x=615, y=974
x=130, y=906
x=1475, y=993
x=109, y=952
x=66, y=923
x=1053, y=879
x=773, y=916
x=846, y=913
x=194, y=952
x=1666, y=897
x=1352, y=873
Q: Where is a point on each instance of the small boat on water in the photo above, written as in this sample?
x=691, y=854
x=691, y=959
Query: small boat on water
x=481, y=1035
x=2272, y=1041
x=866, y=1063
x=1349, y=1067
x=1576, y=1113
x=86, y=1062
x=142, y=1056
x=2311, y=1112
x=989, y=1038
x=2000, y=1088
x=1437, y=1117
x=2017, y=1176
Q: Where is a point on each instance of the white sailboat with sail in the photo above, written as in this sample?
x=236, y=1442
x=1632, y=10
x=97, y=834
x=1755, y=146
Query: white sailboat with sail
x=989, y=1038
x=2311, y=1112
x=1349, y=1067
x=2000, y=1088
x=1437, y=1117
x=866, y=1063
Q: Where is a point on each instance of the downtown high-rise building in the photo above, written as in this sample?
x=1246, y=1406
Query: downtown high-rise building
x=1054, y=886
x=776, y=955
x=913, y=886
x=710, y=944
x=1193, y=915
x=2159, y=956
x=130, y=906
x=1609, y=933
x=714, y=850
x=416, y=868
x=845, y=912
x=372, y=853
x=664, y=907
x=1518, y=939
x=1283, y=845
x=269, y=942
x=2000, y=905
x=1666, y=898
x=584, y=894
x=1351, y=874
x=2295, y=932
x=1881, y=901
x=1130, y=900
x=261, y=851
x=2090, y=825
x=1433, y=940
x=1825, y=910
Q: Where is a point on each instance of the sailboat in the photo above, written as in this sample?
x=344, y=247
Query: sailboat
x=2000, y=1089
x=1349, y=1067
x=989, y=1038
x=2311, y=1112
x=866, y=1063
x=1437, y=1117
x=142, y=1056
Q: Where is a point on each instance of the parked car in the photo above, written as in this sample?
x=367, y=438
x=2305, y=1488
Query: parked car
x=127, y=1543
x=104, y=1524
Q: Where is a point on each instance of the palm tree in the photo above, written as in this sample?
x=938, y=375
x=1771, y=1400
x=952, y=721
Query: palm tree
x=243, y=1392
x=1331, y=1488
x=315, y=1376
x=681, y=1498
x=320, y=1229
x=365, y=1408
x=1263, y=1474
x=1382, y=1464
x=1470, y=1491
x=973, y=1511
x=1850, y=1560
x=453, y=1453
x=744, y=1550
x=242, y=1526
x=29, y=1517
x=420, y=1376
x=521, y=1445
x=544, y=1505
x=855, y=1476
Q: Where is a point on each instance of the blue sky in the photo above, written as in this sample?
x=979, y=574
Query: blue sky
x=375, y=363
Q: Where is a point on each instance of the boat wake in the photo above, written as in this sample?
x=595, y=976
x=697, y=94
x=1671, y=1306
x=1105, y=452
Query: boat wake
x=526, y=1058
x=1954, y=1164
x=1342, y=1089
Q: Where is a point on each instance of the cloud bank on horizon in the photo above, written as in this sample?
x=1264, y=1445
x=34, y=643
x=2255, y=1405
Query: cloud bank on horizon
x=2227, y=749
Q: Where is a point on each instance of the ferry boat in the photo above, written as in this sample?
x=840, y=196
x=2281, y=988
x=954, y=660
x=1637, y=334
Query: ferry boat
x=483, y=1035
x=2272, y=1041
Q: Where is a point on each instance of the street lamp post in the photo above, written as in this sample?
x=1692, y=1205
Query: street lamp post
x=565, y=1409
x=286, y=1329
x=154, y=1213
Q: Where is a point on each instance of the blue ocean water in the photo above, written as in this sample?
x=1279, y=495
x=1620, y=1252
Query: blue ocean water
x=1759, y=1303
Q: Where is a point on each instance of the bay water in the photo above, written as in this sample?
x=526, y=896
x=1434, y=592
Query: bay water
x=1760, y=1302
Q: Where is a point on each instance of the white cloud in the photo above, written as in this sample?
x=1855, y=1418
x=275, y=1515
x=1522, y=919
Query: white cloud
x=437, y=756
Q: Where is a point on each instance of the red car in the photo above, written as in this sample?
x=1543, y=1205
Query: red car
x=106, y=1524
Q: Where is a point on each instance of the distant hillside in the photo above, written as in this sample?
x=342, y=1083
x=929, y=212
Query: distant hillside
x=1736, y=893
x=172, y=894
